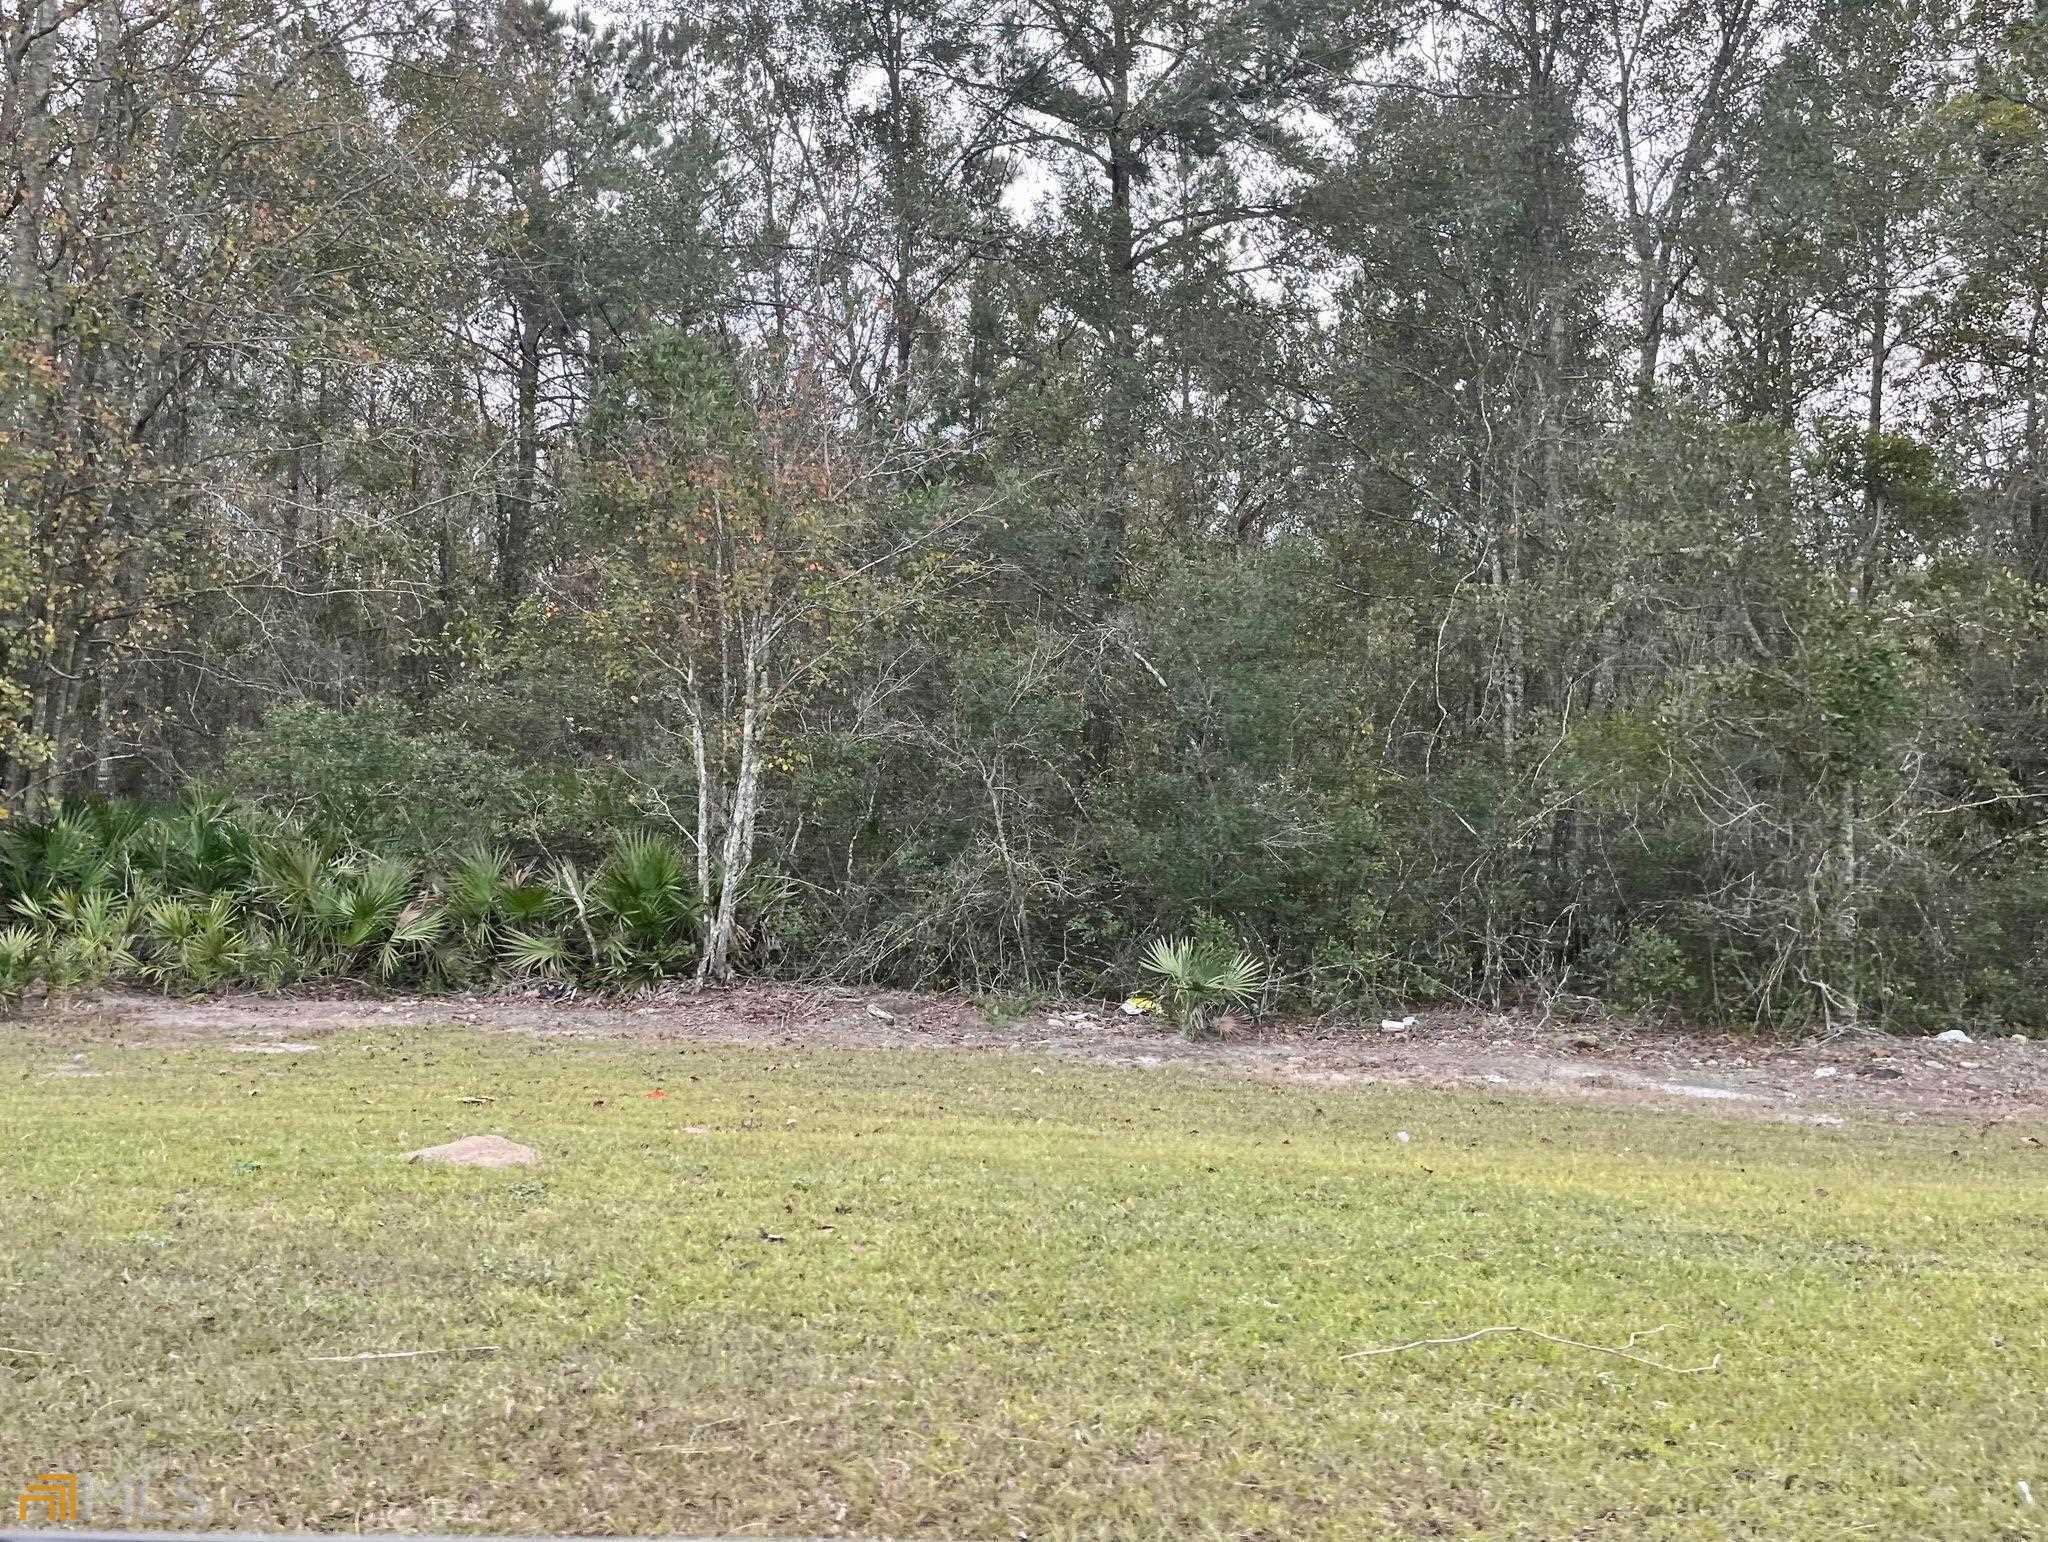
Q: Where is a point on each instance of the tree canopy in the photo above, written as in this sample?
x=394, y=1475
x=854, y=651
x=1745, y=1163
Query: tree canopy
x=1451, y=498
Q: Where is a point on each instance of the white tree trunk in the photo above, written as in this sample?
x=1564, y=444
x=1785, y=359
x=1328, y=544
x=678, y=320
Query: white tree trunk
x=715, y=968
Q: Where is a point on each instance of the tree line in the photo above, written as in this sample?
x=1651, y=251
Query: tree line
x=1499, y=500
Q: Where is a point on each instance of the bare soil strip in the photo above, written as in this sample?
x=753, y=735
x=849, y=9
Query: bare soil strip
x=1807, y=1080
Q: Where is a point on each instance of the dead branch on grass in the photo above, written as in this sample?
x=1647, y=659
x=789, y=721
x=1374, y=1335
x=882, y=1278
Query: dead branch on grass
x=404, y=1354
x=1625, y=1353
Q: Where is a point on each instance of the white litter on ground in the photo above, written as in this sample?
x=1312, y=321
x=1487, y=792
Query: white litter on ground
x=1689, y=1090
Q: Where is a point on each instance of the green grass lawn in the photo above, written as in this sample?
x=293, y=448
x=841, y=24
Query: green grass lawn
x=977, y=1296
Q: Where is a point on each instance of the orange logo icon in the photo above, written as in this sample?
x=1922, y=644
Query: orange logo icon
x=56, y=1492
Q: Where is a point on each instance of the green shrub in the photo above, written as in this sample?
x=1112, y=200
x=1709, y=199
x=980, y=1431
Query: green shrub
x=636, y=920
x=86, y=935
x=21, y=960
x=1000, y=1009
x=367, y=776
x=1383, y=958
x=196, y=946
x=1649, y=972
x=1199, y=979
x=209, y=894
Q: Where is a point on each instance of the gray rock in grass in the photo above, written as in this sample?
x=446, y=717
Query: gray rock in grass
x=478, y=1151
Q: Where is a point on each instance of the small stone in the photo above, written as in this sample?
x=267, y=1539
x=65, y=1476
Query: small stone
x=1953, y=1036
x=1822, y=1073
x=879, y=1014
x=1401, y=1136
x=478, y=1151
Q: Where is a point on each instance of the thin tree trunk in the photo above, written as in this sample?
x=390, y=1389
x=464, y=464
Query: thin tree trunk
x=1863, y=571
x=103, y=734
x=1844, y=915
x=2034, y=535
x=903, y=315
x=716, y=967
x=518, y=517
x=700, y=752
x=1119, y=412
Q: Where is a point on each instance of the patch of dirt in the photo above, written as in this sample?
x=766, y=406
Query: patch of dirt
x=1807, y=1081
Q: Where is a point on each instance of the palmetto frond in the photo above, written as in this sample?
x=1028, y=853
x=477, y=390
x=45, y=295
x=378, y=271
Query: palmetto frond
x=418, y=926
x=1237, y=979
x=384, y=885
x=18, y=947
x=1197, y=979
x=1171, y=958
x=477, y=883
x=202, y=846
x=172, y=921
x=642, y=884
x=528, y=952
x=293, y=875
x=523, y=903
x=363, y=908
x=21, y=955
